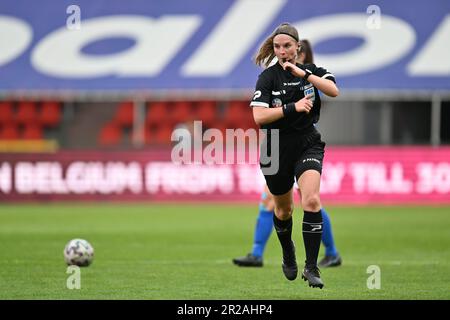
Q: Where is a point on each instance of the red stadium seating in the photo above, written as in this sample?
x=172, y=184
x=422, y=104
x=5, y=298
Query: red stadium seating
x=9, y=131
x=238, y=114
x=222, y=127
x=148, y=135
x=182, y=112
x=158, y=113
x=6, y=112
x=125, y=114
x=32, y=131
x=50, y=115
x=110, y=135
x=163, y=135
x=26, y=112
x=206, y=111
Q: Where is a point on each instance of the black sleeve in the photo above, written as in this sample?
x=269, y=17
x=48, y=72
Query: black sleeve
x=263, y=91
x=320, y=72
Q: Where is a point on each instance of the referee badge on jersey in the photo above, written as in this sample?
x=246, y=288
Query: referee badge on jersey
x=276, y=103
x=309, y=90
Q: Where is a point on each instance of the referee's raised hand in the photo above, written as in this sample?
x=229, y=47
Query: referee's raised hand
x=304, y=105
x=292, y=68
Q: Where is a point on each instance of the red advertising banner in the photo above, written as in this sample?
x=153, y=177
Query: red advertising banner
x=351, y=175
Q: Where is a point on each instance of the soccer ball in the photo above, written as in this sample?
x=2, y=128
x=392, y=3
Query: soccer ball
x=79, y=252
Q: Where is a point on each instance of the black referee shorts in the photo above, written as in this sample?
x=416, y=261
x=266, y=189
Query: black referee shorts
x=297, y=153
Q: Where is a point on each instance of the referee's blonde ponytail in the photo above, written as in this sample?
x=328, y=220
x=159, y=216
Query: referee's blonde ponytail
x=265, y=53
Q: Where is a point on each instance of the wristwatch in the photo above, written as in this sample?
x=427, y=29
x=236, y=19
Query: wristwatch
x=307, y=74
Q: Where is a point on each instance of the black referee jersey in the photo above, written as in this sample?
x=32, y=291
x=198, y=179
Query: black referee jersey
x=276, y=87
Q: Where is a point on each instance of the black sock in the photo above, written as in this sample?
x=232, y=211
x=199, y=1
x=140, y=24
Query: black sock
x=284, y=232
x=312, y=235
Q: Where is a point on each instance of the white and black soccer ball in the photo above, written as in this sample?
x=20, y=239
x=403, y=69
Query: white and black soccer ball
x=79, y=252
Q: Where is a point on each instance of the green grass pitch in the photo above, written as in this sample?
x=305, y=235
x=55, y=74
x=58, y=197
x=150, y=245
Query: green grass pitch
x=147, y=251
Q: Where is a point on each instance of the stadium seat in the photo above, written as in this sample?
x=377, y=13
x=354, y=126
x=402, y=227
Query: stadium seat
x=32, y=131
x=238, y=114
x=26, y=112
x=9, y=131
x=182, y=112
x=221, y=127
x=50, y=115
x=148, y=135
x=6, y=112
x=206, y=111
x=158, y=113
x=110, y=135
x=125, y=114
x=163, y=135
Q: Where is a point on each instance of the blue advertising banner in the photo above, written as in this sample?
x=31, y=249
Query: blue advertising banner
x=208, y=45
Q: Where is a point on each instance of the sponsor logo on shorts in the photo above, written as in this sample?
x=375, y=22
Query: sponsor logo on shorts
x=311, y=159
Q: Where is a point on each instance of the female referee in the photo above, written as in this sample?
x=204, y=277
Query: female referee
x=264, y=223
x=283, y=101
